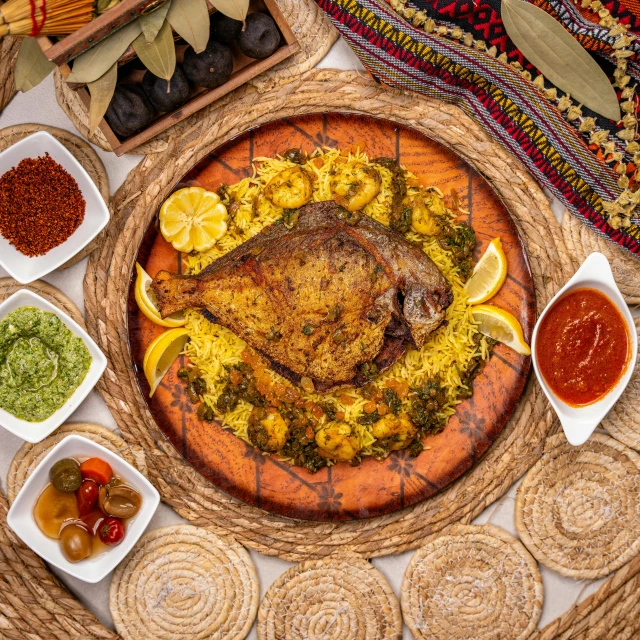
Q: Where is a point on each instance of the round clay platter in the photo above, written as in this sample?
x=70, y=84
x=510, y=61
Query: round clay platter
x=373, y=488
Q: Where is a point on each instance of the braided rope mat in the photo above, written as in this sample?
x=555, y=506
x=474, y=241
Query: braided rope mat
x=582, y=241
x=623, y=421
x=81, y=151
x=8, y=286
x=474, y=582
x=577, y=507
x=8, y=51
x=109, y=269
x=335, y=598
x=184, y=582
x=314, y=33
x=29, y=455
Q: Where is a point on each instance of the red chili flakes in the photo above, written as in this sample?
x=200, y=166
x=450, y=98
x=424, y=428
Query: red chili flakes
x=40, y=205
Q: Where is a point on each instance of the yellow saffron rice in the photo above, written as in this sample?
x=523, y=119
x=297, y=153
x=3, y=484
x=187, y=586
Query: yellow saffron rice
x=446, y=354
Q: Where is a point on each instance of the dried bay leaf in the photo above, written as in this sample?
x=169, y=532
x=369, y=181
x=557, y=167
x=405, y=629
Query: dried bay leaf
x=101, y=91
x=95, y=62
x=32, y=66
x=160, y=55
x=190, y=19
x=152, y=22
x=236, y=9
x=561, y=58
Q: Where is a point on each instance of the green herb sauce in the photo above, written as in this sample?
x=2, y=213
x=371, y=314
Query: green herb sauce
x=41, y=363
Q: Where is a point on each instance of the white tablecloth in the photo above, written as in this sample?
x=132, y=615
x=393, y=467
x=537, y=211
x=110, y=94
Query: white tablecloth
x=40, y=106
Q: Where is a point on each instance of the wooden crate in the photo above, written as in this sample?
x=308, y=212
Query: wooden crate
x=244, y=69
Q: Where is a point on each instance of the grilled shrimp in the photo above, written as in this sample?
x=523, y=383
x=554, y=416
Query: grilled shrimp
x=290, y=189
x=423, y=219
x=336, y=441
x=354, y=185
x=394, y=432
x=267, y=429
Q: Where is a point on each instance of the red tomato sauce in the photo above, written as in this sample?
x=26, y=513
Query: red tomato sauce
x=583, y=347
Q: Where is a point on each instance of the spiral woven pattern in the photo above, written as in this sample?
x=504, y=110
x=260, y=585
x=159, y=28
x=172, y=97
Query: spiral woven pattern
x=184, y=582
x=582, y=241
x=577, y=508
x=337, y=598
x=29, y=455
x=315, y=35
x=475, y=583
x=81, y=151
x=623, y=421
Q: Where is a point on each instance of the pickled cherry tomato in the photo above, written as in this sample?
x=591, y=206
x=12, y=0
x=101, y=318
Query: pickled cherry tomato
x=111, y=531
x=93, y=521
x=87, y=496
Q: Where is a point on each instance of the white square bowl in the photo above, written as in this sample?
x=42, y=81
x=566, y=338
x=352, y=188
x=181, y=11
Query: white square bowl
x=23, y=268
x=36, y=431
x=20, y=517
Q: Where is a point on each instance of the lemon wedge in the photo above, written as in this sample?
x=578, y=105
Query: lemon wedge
x=147, y=302
x=161, y=354
x=193, y=219
x=488, y=275
x=501, y=326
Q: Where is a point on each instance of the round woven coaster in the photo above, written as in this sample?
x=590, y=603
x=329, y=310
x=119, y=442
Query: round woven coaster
x=577, y=507
x=623, y=421
x=315, y=35
x=108, y=272
x=335, y=598
x=8, y=51
x=29, y=455
x=81, y=151
x=582, y=241
x=473, y=582
x=184, y=582
x=8, y=286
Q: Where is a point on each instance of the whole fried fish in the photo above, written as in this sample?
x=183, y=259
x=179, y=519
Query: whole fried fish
x=326, y=299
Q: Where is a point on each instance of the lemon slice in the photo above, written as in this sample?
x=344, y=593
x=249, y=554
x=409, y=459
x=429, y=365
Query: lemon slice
x=161, y=354
x=193, y=219
x=501, y=326
x=147, y=302
x=488, y=275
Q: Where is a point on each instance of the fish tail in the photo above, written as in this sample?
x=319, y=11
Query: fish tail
x=175, y=292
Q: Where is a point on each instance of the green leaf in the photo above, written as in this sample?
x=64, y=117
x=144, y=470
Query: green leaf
x=101, y=91
x=95, y=62
x=32, y=66
x=152, y=22
x=236, y=9
x=190, y=19
x=159, y=56
x=559, y=57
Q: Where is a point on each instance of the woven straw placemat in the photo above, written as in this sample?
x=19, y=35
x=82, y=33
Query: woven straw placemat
x=582, y=241
x=577, y=508
x=336, y=598
x=29, y=455
x=108, y=273
x=8, y=51
x=623, y=421
x=184, y=582
x=8, y=286
x=314, y=33
x=475, y=583
x=81, y=151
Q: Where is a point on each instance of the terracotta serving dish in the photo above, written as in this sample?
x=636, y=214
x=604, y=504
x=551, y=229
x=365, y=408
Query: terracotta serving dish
x=343, y=492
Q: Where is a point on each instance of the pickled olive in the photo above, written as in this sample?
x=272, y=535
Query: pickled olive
x=65, y=475
x=75, y=542
x=192, y=393
x=121, y=501
x=54, y=508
